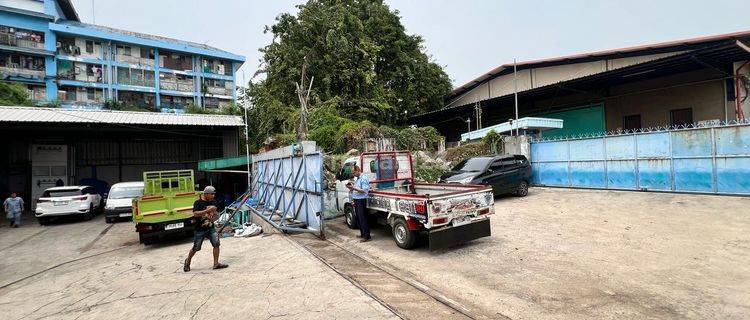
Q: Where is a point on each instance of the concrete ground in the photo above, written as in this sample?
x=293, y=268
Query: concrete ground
x=588, y=254
x=556, y=254
x=92, y=270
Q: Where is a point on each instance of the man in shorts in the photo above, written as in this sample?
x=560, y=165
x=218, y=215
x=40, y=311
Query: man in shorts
x=204, y=210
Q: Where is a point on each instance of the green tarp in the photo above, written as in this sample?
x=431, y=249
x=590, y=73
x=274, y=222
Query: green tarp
x=585, y=120
x=223, y=163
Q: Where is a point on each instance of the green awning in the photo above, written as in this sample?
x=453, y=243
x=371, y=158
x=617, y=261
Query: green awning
x=223, y=163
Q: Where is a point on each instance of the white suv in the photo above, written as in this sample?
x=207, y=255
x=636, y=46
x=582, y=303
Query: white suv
x=81, y=201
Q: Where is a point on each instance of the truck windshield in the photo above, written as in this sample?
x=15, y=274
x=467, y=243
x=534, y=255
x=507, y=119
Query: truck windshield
x=125, y=192
x=472, y=165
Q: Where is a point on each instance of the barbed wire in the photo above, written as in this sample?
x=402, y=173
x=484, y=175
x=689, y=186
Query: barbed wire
x=658, y=128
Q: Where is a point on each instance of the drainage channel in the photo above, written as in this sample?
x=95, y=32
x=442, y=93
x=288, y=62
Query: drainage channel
x=402, y=298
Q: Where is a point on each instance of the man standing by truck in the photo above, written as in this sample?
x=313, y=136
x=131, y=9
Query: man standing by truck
x=205, y=210
x=360, y=191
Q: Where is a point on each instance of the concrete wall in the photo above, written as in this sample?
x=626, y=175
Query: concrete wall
x=707, y=100
x=744, y=92
x=539, y=77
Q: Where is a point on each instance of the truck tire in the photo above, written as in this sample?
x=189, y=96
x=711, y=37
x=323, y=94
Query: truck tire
x=350, y=217
x=109, y=220
x=146, y=241
x=523, y=189
x=404, y=237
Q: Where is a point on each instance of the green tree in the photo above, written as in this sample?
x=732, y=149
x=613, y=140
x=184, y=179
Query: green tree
x=362, y=61
x=13, y=94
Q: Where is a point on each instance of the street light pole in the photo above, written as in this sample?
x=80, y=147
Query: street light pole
x=247, y=141
x=515, y=91
x=468, y=127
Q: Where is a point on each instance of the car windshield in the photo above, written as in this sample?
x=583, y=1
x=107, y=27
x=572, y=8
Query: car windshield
x=472, y=165
x=61, y=193
x=125, y=192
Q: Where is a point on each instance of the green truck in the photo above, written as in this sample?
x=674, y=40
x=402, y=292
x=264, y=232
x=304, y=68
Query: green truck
x=166, y=207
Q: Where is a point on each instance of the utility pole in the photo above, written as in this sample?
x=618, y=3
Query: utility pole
x=515, y=92
x=478, y=112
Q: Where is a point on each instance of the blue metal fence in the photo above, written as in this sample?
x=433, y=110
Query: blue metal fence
x=703, y=159
x=287, y=188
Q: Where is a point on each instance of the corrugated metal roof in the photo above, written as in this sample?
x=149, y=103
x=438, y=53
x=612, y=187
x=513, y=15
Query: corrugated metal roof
x=678, y=45
x=57, y=115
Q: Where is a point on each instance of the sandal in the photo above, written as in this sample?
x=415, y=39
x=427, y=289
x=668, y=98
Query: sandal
x=220, y=266
x=185, y=266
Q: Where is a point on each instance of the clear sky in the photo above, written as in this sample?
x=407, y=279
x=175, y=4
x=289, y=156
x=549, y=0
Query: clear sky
x=467, y=37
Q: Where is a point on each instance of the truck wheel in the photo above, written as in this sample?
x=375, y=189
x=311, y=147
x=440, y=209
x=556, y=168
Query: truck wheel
x=402, y=235
x=147, y=241
x=109, y=220
x=351, y=218
x=523, y=189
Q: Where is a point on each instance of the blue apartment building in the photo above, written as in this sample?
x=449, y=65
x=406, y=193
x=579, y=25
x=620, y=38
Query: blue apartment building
x=45, y=46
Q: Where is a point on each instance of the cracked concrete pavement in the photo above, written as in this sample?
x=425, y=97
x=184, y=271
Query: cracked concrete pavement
x=269, y=277
x=589, y=254
x=556, y=254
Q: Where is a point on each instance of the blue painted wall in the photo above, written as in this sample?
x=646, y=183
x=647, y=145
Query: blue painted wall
x=709, y=160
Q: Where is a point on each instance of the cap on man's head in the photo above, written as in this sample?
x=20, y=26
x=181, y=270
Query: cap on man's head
x=209, y=189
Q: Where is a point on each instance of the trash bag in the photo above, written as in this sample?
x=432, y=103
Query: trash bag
x=249, y=230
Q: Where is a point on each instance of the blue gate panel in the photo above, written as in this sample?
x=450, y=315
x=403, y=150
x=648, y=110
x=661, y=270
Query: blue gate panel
x=621, y=174
x=622, y=147
x=733, y=175
x=653, y=145
x=588, y=174
x=693, y=175
x=733, y=140
x=655, y=174
x=692, y=143
x=550, y=151
x=553, y=173
x=587, y=149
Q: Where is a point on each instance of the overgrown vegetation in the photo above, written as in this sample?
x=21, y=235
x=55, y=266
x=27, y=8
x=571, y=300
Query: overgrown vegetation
x=367, y=75
x=13, y=94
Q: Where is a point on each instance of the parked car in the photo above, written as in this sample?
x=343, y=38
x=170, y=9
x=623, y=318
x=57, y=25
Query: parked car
x=119, y=203
x=506, y=173
x=82, y=201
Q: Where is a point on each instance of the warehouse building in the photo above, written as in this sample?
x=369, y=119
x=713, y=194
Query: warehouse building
x=45, y=147
x=45, y=46
x=700, y=80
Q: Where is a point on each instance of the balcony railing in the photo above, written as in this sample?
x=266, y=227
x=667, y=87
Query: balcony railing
x=219, y=90
x=26, y=73
x=135, y=60
x=186, y=86
x=11, y=40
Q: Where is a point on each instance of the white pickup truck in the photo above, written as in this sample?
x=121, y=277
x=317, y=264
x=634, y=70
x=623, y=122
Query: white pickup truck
x=448, y=213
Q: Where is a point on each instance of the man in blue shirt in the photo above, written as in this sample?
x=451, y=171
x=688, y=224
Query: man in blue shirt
x=360, y=191
x=13, y=207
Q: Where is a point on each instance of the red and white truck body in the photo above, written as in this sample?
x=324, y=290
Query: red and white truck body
x=448, y=213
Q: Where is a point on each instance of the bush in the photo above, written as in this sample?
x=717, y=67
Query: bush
x=13, y=94
x=466, y=151
x=427, y=171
